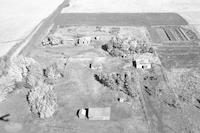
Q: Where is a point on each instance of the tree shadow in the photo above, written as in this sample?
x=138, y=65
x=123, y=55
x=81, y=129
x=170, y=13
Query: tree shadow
x=104, y=47
x=3, y=118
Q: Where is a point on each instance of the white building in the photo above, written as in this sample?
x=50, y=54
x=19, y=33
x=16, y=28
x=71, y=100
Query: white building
x=143, y=61
x=83, y=41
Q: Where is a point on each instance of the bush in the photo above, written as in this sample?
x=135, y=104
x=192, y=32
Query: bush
x=52, y=72
x=7, y=86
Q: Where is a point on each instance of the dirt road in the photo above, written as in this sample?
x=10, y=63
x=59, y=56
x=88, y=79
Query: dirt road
x=153, y=115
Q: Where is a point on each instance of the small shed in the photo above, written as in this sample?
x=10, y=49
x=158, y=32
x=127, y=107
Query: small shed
x=96, y=66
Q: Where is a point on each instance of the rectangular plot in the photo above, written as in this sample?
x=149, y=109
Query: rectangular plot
x=169, y=34
x=162, y=34
x=180, y=61
x=177, y=34
x=183, y=33
x=172, y=34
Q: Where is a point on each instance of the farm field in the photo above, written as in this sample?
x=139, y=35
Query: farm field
x=80, y=55
x=86, y=71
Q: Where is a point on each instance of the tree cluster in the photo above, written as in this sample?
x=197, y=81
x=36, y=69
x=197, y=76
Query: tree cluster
x=41, y=96
x=126, y=47
x=52, y=72
x=191, y=87
x=42, y=100
x=117, y=81
x=11, y=74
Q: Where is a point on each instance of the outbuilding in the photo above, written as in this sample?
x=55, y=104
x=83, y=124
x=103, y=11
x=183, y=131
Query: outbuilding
x=95, y=113
x=142, y=61
x=83, y=41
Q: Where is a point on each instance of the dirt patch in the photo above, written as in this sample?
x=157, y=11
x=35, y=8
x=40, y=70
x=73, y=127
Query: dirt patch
x=13, y=127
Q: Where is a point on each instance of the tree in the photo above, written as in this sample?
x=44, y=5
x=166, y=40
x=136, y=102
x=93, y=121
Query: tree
x=52, y=72
x=126, y=47
x=106, y=80
x=4, y=65
x=7, y=86
x=41, y=95
x=42, y=100
x=117, y=81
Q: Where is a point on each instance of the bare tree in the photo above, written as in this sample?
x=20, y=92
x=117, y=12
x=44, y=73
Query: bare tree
x=117, y=81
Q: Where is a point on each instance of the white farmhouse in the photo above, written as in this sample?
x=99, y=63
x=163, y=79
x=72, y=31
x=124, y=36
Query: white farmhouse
x=83, y=41
x=143, y=63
